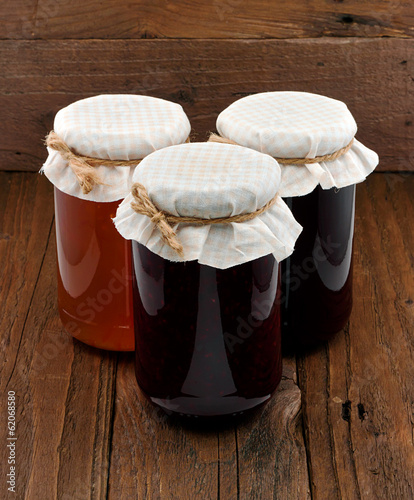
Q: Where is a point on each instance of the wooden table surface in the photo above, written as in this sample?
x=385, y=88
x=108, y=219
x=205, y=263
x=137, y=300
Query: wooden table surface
x=339, y=426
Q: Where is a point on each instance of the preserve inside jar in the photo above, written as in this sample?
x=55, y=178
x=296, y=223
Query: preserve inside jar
x=313, y=138
x=317, y=277
x=207, y=339
x=94, y=273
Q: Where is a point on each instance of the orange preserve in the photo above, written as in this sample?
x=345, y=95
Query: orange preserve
x=94, y=148
x=94, y=273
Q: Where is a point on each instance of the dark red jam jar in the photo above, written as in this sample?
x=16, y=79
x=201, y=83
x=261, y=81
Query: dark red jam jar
x=207, y=340
x=313, y=139
x=317, y=277
x=208, y=231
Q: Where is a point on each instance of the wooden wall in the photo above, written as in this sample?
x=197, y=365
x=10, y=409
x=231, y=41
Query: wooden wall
x=205, y=55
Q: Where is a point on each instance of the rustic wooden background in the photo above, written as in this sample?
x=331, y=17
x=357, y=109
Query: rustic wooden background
x=341, y=424
x=205, y=55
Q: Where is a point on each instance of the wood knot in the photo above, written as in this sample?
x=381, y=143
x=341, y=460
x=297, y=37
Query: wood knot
x=346, y=411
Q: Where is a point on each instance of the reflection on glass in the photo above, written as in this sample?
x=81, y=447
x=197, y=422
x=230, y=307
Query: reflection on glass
x=207, y=340
x=94, y=273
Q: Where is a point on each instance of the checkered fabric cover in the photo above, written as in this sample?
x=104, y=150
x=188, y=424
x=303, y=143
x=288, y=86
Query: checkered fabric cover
x=116, y=127
x=212, y=180
x=300, y=125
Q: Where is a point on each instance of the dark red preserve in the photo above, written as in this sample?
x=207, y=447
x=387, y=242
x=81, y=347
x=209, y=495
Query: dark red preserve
x=313, y=138
x=208, y=229
x=207, y=339
x=317, y=277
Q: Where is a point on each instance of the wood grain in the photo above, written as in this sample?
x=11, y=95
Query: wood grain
x=31, y=19
x=374, y=77
x=339, y=426
x=272, y=464
x=64, y=405
x=26, y=216
x=64, y=389
x=357, y=391
x=154, y=457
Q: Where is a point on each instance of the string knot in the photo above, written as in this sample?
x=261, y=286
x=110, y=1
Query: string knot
x=142, y=204
x=157, y=218
x=84, y=172
x=164, y=221
x=84, y=166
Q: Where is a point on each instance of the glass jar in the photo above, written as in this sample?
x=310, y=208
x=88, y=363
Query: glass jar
x=208, y=229
x=94, y=150
x=207, y=339
x=94, y=273
x=317, y=277
x=313, y=138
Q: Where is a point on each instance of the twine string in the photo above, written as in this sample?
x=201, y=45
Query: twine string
x=291, y=161
x=84, y=166
x=164, y=221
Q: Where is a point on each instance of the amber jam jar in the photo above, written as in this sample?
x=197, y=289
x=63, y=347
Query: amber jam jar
x=317, y=277
x=207, y=320
x=207, y=339
x=313, y=139
x=93, y=151
x=94, y=273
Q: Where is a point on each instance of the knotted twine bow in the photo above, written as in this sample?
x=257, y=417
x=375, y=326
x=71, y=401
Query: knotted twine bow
x=291, y=161
x=165, y=221
x=84, y=166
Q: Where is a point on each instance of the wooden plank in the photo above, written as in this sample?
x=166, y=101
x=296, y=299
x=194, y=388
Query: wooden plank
x=64, y=402
x=229, y=461
x=271, y=452
x=358, y=391
x=64, y=390
x=217, y=19
x=374, y=77
x=263, y=457
x=26, y=216
x=77, y=440
x=153, y=457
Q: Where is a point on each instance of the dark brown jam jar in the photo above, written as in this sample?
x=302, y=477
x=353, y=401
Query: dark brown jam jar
x=313, y=138
x=207, y=339
x=317, y=277
x=208, y=231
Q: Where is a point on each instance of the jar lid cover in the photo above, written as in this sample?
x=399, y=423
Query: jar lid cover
x=113, y=127
x=210, y=181
x=300, y=125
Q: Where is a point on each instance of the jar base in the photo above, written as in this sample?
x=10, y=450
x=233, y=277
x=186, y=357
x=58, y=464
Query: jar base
x=294, y=341
x=94, y=335
x=226, y=407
